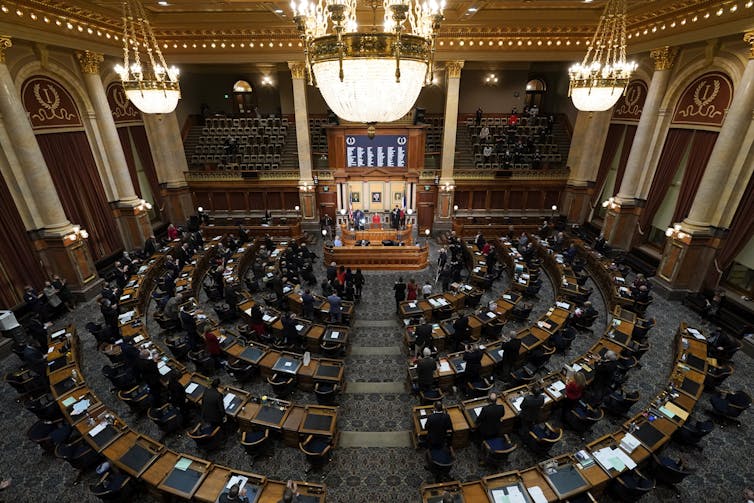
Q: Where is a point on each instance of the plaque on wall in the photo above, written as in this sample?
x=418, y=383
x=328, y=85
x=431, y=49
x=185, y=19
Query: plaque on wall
x=382, y=151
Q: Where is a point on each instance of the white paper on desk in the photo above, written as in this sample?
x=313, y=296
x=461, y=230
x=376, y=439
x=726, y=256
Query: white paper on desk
x=299, y=327
x=163, y=369
x=558, y=385
x=423, y=422
x=697, y=335
x=237, y=479
x=138, y=339
x=476, y=269
x=444, y=366
x=50, y=349
x=522, y=281
x=228, y=400
x=412, y=305
x=561, y=305
x=477, y=411
x=515, y=495
x=576, y=367
x=80, y=407
x=625, y=458
x=506, y=296
x=93, y=432
x=288, y=364
x=191, y=388
x=247, y=312
x=517, y=403
x=554, y=392
x=603, y=456
x=500, y=352
x=629, y=442
x=536, y=494
x=58, y=333
x=125, y=297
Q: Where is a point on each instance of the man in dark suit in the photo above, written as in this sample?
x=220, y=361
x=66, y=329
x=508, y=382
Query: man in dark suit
x=473, y=358
x=488, y=420
x=150, y=246
x=425, y=370
x=604, y=375
x=438, y=428
x=213, y=409
x=531, y=406
x=423, y=337
x=511, y=347
x=461, y=329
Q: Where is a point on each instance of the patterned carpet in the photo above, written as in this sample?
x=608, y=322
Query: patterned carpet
x=390, y=474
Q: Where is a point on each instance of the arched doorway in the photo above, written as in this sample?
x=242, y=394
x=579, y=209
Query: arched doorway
x=243, y=102
x=535, y=92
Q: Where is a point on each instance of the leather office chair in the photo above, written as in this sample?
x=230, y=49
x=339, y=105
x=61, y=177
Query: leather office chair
x=495, y=450
x=78, y=454
x=203, y=361
x=543, y=436
x=520, y=315
x=318, y=451
x=137, y=398
x=582, y=418
x=440, y=462
x=332, y=349
x=430, y=396
x=492, y=330
x=119, y=375
x=282, y=384
x=582, y=498
x=584, y=323
x=43, y=406
x=532, y=289
x=326, y=392
x=728, y=405
x=167, y=418
x=690, y=434
x=669, y=472
x=630, y=486
x=113, y=486
x=472, y=300
x=241, y=370
x=479, y=388
x=178, y=345
x=206, y=437
x=25, y=382
x=618, y=403
x=717, y=375
x=524, y=375
x=725, y=354
x=443, y=313
x=256, y=443
x=637, y=349
x=225, y=312
x=48, y=434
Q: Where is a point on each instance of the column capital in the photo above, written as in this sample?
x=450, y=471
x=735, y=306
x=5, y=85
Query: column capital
x=453, y=68
x=749, y=39
x=5, y=43
x=90, y=61
x=298, y=69
x=663, y=57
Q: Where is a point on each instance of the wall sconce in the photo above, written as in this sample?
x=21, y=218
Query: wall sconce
x=410, y=212
x=305, y=187
x=296, y=208
x=491, y=80
x=610, y=203
x=554, y=209
x=324, y=233
x=200, y=210
x=437, y=179
x=77, y=233
x=676, y=232
x=455, y=208
x=143, y=205
x=447, y=187
x=316, y=179
x=342, y=212
x=267, y=81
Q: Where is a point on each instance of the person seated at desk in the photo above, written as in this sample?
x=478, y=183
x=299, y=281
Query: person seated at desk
x=212, y=345
x=234, y=495
x=213, y=409
x=531, y=407
x=439, y=427
x=425, y=370
x=337, y=243
x=473, y=358
x=488, y=420
x=522, y=310
x=641, y=294
x=290, y=494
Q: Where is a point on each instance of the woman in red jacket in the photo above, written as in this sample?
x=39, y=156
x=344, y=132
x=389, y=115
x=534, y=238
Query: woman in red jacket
x=574, y=390
x=411, y=289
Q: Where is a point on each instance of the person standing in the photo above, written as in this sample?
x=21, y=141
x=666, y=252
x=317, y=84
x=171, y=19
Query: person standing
x=531, y=407
x=574, y=390
x=307, y=304
x=399, y=290
x=358, y=283
x=213, y=409
x=411, y=289
x=488, y=421
x=335, y=303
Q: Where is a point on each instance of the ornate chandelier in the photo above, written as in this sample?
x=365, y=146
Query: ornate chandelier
x=601, y=78
x=151, y=86
x=370, y=76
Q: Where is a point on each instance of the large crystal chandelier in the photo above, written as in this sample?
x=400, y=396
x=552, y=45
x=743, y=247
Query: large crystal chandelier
x=601, y=78
x=371, y=76
x=150, y=85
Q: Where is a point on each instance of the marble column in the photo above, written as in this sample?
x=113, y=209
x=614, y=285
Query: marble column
x=131, y=216
x=447, y=163
x=166, y=145
x=61, y=251
x=303, y=140
x=587, y=144
x=622, y=216
x=690, y=251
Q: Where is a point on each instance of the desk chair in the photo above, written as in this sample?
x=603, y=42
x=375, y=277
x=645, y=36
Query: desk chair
x=690, y=434
x=520, y=315
x=492, y=330
x=43, y=406
x=495, y=450
x=728, y=405
x=206, y=437
x=225, y=312
x=443, y=313
x=542, y=437
x=241, y=370
x=282, y=384
x=332, y=349
x=137, y=398
x=725, y=354
x=630, y=486
x=618, y=403
x=78, y=454
x=584, y=323
x=440, y=462
x=167, y=418
x=669, y=472
x=524, y=375
x=472, y=301
x=637, y=349
x=49, y=434
x=119, y=375
x=326, y=392
x=532, y=289
x=717, y=375
x=430, y=396
x=205, y=364
x=178, y=345
x=318, y=451
x=167, y=324
x=479, y=388
x=582, y=418
x=25, y=382
x=113, y=486
x=256, y=443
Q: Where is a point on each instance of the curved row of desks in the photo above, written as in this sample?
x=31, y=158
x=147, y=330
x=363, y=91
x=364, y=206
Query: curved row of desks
x=163, y=470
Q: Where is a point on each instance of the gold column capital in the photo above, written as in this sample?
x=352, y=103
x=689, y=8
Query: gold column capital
x=749, y=39
x=453, y=69
x=5, y=43
x=298, y=69
x=90, y=61
x=663, y=57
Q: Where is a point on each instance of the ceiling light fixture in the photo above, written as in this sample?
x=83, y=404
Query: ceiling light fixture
x=373, y=76
x=601, y=78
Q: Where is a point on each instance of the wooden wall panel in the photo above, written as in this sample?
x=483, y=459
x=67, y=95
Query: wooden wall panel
x=497, y=199
x=274, y=201
x=238, y=201
x=256, y=201
x=480, y=200
x=220, y=201
x=516, y=200
x=551, y=198
x=290, y=200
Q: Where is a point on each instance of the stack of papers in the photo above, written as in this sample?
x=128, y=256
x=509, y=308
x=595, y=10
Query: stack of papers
x=228, y=400
x=671, y=410
x=697, y=335
x=93, y=432
x=80, y=407
x=611, y=458
x=536, y=494
x=237, y=479
x=629, y=442
x=563, y=305
x=182, y=464
x=444, y=366
x=191, y=388
x=556, y=388
x=517, y=403
x=510, y=494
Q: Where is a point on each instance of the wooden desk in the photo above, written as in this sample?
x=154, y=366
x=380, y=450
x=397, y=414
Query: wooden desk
x=377, y=236
x=319, y=420
x=133, y=453
x=182, y=480
x=217, y=482
x=380, y=258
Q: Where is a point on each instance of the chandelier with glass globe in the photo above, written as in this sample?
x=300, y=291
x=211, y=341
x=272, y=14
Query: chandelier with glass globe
x=371, y=76
x=602, y=77
x=148, y=82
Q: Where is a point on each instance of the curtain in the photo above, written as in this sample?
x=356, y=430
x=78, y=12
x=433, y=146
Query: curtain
x=672, y=152
x=613, y=140
x=701, y=149
x=125, y=143
x=77, y=180
x=19, y=265
x=628, y=142
x=141, y=142
x=740, y=230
